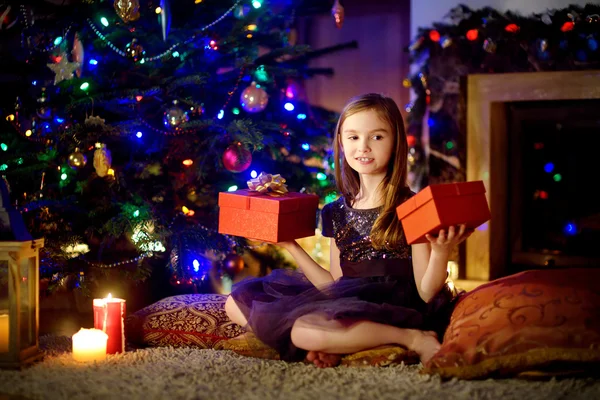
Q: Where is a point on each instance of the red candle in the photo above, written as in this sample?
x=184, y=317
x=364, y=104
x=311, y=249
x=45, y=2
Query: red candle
x=109, y=317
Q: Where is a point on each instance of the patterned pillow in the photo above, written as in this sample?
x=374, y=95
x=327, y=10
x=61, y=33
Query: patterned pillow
x=541, y=320
x=381, y=357
x=199, y=320
x=248, y=345
x=184, y=320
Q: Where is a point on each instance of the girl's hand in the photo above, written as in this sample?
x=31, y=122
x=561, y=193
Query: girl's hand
x=443, y=243
x=287, y=245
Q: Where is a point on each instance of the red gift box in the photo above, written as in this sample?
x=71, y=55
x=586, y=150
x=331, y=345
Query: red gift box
x=268, y=218
x=441, y=206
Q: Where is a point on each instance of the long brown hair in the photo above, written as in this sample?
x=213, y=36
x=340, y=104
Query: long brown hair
x=387, y=231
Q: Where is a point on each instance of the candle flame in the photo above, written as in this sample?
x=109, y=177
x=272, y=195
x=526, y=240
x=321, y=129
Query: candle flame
x=109, y=296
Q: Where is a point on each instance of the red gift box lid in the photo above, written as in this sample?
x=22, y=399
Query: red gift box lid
x=246, y=199
x=439, y=190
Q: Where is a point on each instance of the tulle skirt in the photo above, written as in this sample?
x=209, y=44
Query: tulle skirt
x=273, y=303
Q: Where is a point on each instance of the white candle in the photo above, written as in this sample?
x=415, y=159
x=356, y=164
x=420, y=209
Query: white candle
x=89, y=345
x=4, y=330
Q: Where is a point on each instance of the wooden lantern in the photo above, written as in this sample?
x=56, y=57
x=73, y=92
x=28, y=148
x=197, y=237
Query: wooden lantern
x=19, y=288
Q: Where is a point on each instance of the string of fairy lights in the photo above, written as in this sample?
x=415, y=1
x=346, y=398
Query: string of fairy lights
x=25, y=40
x=168, y=52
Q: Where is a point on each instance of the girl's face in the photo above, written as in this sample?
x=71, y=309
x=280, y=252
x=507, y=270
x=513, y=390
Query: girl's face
x=367, y=142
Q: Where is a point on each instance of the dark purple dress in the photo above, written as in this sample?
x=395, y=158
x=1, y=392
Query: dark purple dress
x=377, y=285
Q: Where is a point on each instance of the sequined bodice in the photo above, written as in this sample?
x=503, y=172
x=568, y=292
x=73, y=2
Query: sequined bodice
x=351, y=231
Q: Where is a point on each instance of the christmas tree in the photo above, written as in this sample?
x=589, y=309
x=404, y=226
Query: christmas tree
x=124, y=119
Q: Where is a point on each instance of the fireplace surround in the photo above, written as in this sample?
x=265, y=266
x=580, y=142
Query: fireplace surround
x=488, y=97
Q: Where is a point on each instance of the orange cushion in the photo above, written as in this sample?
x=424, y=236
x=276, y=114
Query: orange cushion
x=197, y=320
x=249, y=345
x=534, y=320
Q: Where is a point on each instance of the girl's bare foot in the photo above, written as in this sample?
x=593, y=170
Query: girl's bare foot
x=426, y=345
x=323, y=360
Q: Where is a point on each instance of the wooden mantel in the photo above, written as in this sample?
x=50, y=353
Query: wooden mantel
x=487, y=149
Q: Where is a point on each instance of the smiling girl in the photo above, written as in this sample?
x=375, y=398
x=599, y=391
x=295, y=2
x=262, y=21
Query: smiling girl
x=378, y=289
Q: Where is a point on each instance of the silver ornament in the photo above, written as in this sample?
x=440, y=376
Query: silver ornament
x=174, y=116
x=254, y=98
x=63, y=69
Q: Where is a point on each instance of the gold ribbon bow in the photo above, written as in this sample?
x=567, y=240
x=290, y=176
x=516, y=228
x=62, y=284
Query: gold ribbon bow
x=273, y=185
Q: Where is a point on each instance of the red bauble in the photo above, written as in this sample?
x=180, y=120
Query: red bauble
x=236, y=158
x=472, y=34
x=233, y=264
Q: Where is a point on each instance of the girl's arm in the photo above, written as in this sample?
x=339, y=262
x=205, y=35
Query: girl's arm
x=316, y=274
x=334, y=260
x=430, y=260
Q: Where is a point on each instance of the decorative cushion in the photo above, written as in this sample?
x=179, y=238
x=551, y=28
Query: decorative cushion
x=381, y=357
x=249, y=345
x=540, y=320
x=197, y=320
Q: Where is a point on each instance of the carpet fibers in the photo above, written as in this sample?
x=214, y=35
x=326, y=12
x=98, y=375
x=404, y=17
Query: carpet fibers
x=185, y=373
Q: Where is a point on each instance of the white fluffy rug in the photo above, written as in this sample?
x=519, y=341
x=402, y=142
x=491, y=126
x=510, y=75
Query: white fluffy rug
x=168, y=373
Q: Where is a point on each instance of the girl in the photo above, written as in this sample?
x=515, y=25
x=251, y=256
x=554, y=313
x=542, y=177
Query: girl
x=374, y=293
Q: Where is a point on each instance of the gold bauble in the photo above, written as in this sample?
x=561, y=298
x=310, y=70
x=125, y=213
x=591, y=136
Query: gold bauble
x=127, y=10
x=77, y=159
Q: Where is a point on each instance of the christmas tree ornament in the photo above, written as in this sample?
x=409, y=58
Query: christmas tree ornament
x=236, y=158
x=197, y=111
x=174, y=116
x=434, y=35
x=241, y=12
x=445, y=42
x=233, y=264
x=292, y=37
x=568, y=26
x=43, y=111
x=102, y=160
x=472, y=34
x=94, y=121
x=543, y=45
x=546, y=19
x=63, y=69
x=337, y=11
x=165, y=18
x=8, y=16
x=77, y=53
x=592, y=19
x=416, y=44
x=77, y=159
x=254, y=98
x=489, y=46
x=134, y=50
x=127, y=10
x=33, y=127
